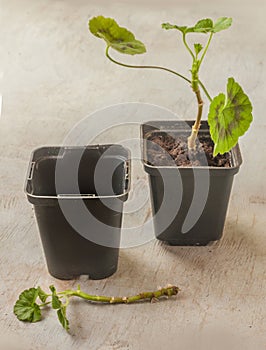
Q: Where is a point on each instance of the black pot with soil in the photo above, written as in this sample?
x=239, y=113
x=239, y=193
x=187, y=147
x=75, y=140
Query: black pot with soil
x=78, y=195
x=189, y=190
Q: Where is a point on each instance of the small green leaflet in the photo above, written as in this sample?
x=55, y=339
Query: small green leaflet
x=119, y=38
x=202, y=26
x=229, y=117
x=198, y=48
x=26, y=308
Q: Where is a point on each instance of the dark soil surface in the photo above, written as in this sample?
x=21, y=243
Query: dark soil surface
x=166, y=150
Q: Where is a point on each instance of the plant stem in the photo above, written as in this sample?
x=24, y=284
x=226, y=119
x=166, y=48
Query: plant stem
x=206, y=49
x=195, y=82
x=145, y=67
x=200, y=108
x=156, y=67
x=168, y=292
x=188, y=48
x=44, y=304
x=195, y=128
x=205, y=90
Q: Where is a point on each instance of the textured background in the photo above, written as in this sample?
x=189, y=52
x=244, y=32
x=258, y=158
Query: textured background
x=52, y=74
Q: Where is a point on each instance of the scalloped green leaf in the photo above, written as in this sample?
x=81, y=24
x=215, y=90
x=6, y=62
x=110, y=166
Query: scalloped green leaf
x=26, y=308
x=203, y=26
x=119, y=38
x=229, y=117
x=222, y=23
x=198, y=48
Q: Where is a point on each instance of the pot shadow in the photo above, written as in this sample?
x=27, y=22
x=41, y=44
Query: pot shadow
x=231, y=264
x=236, y=240
x=230, y=261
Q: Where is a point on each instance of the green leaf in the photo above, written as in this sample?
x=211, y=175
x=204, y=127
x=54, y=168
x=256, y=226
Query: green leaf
x=198, y=48
x=61, y=314
x=221, y=24
x=61, y=309
x=42, y=295
x=229, y=117
x=203, y=26
x=168, y=26
x=26, y=308
x=119, y=38
x=56, y=303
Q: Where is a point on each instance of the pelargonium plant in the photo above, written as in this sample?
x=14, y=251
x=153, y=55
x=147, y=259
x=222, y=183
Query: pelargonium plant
x=229, y=114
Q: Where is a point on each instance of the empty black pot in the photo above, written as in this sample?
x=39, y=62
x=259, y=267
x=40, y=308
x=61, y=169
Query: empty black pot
x=78, y=195
x=189, y=203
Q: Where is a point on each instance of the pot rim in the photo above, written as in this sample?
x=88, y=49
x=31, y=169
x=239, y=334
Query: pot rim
x=33, y=161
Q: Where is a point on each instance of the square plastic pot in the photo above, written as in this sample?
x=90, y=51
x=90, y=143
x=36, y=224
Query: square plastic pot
x=189, y=204
x=78, y=195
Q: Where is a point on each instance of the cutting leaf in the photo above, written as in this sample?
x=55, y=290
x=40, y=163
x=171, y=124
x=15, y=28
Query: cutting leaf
x=229, y=117
x=119, y=38
x=26, y=308
x=56, y=303
x=42, y=295
x=222, y=23
x=61, y=309
x=61, y=314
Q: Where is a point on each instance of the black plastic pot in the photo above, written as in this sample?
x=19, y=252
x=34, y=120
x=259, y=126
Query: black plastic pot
x=78, y=195
x=199, y=195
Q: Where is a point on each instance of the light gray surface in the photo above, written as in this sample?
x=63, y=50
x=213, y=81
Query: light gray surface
x=53, y=74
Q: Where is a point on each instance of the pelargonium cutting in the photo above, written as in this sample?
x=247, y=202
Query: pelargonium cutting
x=28, y=307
